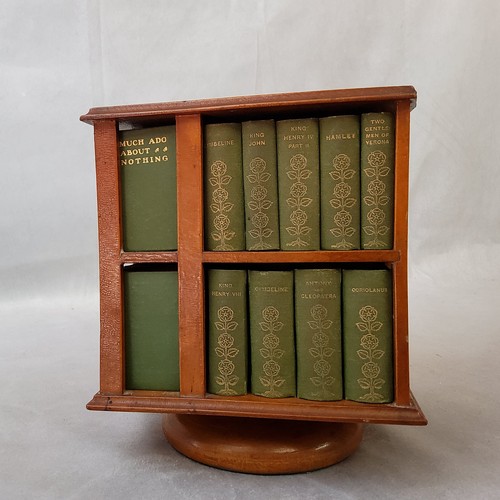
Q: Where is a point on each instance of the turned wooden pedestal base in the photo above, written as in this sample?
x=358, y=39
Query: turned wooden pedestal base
x=261, y=446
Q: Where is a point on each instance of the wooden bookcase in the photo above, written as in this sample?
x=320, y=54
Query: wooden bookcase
x=191, y=260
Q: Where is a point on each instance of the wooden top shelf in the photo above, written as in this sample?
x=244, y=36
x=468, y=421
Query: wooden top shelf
x=245, y=104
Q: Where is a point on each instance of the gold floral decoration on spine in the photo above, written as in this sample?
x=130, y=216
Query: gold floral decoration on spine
x=220, y=205
x=259, y=204
x=225, y=350
x=298, y=200
x=370, y=354
x=321, y=351
x=342, y=201
x=376, y=198
x=271, y=352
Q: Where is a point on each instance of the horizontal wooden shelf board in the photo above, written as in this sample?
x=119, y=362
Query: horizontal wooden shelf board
x=268, y=101
x=148, y=257
x=259, y=407
x=268, y=257
x=284, y=257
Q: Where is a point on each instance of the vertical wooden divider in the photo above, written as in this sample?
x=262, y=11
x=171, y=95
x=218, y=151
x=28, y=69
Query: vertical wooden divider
x=190, y=243
x=400, y=268
x=110, y=280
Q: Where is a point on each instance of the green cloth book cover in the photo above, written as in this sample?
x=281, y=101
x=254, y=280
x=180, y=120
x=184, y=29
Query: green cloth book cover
x=377, y=181
x=318, y=334
x=223, y=188
x=261, y=185
x=298, y=183
x=367, y=335
x=227, y=331
x=272, y=333
x=340, y=182
x=151, y=330
x=147, y=159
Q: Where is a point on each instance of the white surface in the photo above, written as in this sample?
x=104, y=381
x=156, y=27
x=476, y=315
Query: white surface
x=58, y=58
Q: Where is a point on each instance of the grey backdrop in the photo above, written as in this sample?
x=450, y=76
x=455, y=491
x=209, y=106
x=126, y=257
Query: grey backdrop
x=58, y=58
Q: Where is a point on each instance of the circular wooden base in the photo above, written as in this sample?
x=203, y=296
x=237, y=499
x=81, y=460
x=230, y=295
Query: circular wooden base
x=261, y=446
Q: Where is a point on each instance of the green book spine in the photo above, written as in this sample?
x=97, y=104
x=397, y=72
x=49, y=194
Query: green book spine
x=367, y=331
x=377, y=181
x=151, y=330
x=298, y=183
x=272, y=342
x=148, y=188
x=223, y=180
x=227, y=332
x=318, y=334
x=340, y=182
x=261, y=185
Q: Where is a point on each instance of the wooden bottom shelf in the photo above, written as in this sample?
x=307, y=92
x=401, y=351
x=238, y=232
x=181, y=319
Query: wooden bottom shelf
x=259, y=407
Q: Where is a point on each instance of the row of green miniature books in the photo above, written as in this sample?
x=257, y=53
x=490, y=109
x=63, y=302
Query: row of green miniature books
x=318, y=334
x=295, y=184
